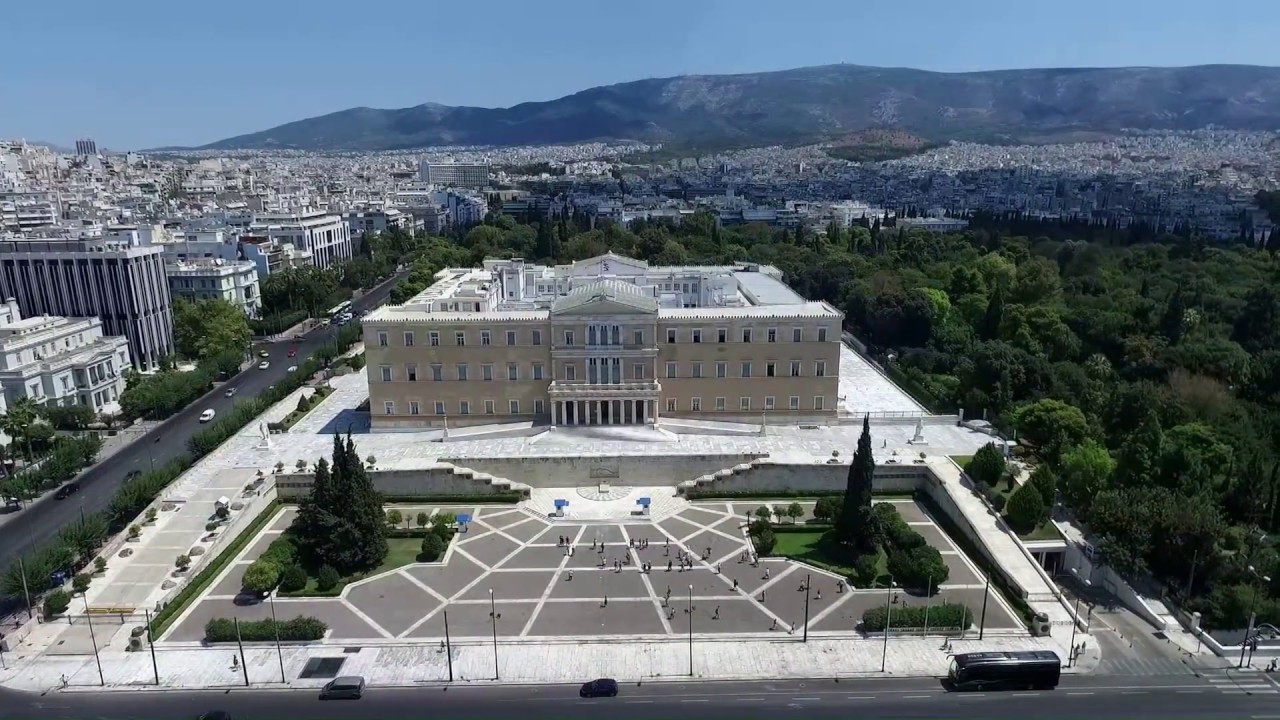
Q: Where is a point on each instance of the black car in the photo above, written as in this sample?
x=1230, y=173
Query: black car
x=66, y=491
x=132, y=474
x=604, y=687
x=216, y=715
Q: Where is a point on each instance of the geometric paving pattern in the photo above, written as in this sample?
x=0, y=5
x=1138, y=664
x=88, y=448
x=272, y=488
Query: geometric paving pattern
x=525, y=577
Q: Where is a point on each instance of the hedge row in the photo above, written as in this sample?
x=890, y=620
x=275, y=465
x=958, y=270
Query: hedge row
x=495, y=499
x=298, y=629
x=912, y=561
x=68, y=456
x=944, y=616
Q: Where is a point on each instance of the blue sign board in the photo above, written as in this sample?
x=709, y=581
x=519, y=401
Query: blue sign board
x=643, y=501
x=562, y=503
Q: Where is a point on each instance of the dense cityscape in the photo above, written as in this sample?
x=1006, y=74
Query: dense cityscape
x=899, y=423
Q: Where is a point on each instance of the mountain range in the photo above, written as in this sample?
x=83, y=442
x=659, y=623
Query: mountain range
x=818, y=103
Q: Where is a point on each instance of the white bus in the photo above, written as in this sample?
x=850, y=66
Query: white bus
x=340, y=308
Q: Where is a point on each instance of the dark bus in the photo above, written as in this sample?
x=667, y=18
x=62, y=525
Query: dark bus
x=1033, y=669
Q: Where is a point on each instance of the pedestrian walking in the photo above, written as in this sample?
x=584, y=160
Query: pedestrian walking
x=571, y=573
x=735, y=583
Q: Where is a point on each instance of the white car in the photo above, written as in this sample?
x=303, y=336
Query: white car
x=264, y=364
x=293, y=368
x=207, y=415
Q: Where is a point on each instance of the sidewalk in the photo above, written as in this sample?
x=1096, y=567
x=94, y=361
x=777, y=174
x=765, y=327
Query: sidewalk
x=400, y=664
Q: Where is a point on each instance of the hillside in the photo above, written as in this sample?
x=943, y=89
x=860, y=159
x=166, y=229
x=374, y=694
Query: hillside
x=818, y=103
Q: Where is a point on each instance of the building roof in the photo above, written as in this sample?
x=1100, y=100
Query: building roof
x=611, y=291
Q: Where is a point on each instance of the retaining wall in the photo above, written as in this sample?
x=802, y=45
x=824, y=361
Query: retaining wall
x=438, y=479
x=635, y=470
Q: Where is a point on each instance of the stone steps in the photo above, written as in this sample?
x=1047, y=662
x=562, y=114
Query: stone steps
x=721, y=474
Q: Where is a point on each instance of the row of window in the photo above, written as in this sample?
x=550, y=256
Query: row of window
x=744, y=403
x=464, y=407
x=599, y=335
x=439, y=407
x=604, y=373
x=795, y=368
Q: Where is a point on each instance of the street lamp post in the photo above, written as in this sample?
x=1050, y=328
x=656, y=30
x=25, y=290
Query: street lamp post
x=493, y=616
x=982, y=622
x=807, y=587
x=102, y=680
x=928, y=602
x=271, y=598
x=1075, y=616
x=1253, y=606
x=690, y=630
x=888, y=623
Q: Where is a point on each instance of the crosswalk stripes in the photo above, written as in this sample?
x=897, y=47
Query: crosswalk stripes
x=1244, y=684
x=1142, y=666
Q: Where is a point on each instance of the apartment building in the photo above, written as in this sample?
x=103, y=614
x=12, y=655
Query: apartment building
x=608, y=340
x=325, y=236
x=120, y=281
x=60, y=361
x=216, y=279
x=454, y=174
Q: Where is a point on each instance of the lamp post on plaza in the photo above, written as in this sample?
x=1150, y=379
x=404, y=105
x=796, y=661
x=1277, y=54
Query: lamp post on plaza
x=691, y=630
x=493, y=616
x=888, y=622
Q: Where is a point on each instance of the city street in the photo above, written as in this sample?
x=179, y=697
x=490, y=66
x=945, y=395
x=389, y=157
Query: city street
x=1096, y=697
x=35, y=525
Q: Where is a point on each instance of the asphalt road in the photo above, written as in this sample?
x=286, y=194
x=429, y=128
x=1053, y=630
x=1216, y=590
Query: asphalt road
x=39, y=522
x=1096, y=698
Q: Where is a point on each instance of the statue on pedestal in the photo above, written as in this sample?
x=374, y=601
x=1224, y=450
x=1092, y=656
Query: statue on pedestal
x=918, y=438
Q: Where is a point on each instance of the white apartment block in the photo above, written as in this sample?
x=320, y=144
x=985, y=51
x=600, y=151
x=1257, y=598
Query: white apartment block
x=324, y=235
x=454, y=174
x=272, y=257
x=60, y=361
x=216, y=279
x=609, y=340
x=119, y=280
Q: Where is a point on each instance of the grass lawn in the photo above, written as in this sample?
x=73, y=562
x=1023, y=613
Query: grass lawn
x=1045, y=531
x=961, y=460
x=819, y=549
x=400, y=552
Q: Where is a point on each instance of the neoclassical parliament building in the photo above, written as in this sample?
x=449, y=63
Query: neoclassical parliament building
x=609, y=340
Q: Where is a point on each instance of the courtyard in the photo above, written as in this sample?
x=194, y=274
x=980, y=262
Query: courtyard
x=520, y=576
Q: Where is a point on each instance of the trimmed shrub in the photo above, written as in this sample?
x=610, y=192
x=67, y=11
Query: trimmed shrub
x=327, y=578
x=296, y=630
x=987, y=465
x=261, y=577
x=100, y=564
x=943, y=616
x=1025, y=508
x=422, y=520
x=282, y=551
x=892, y=530
x=920, y=567
x=432, y=547
x=764, y=541
x=293, y=579
x=827, y=508
x=394, y=518
x=56, y=603
x=864, y=569
x=80, y=582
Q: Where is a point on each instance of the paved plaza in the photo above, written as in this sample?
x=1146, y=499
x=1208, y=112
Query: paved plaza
x=522, y=576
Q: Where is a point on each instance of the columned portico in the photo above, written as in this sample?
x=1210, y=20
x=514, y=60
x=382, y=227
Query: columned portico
x=617, y=411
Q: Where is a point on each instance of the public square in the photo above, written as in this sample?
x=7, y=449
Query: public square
x=546, y=580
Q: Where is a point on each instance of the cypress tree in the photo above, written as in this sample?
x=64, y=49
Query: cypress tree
x=853, y=526
x=340, y=522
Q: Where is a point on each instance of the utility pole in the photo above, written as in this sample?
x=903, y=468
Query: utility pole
x=807, y=587
x=448, y=645
x=982, y=623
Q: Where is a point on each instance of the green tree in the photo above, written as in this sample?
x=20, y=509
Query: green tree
x=854, y=526
x=394, y=518
x=432, y=547
x=1139, y=455
x=1084, y=472
x=206, y=328
x=293, y=579
x=422, y=519
x=261, y=577
x=1052, y=426
x=1045, y=481
x=827, y=508
x=987, y=466
x=1025, y=508
x=795, y=511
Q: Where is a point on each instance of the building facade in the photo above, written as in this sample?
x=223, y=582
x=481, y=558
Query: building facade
x=609, y=340
x=454, y=174
x=216, y=279
x=122, y=283
x=325, y=236
x=60, y=361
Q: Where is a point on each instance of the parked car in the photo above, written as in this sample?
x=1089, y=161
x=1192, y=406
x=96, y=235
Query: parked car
x=264, y=365
x=293, y=352
x=293, y=368
x=207, y=415
x=264, y=354
x=66, y=491
x=132, y=474
x=603, y=687
x=343, y=688
x=231, y=391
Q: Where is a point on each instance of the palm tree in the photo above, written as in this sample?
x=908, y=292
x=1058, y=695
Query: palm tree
x=17, y=422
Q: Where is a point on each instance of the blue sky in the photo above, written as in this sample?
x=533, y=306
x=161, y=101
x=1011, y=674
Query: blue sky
x=143, y=73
